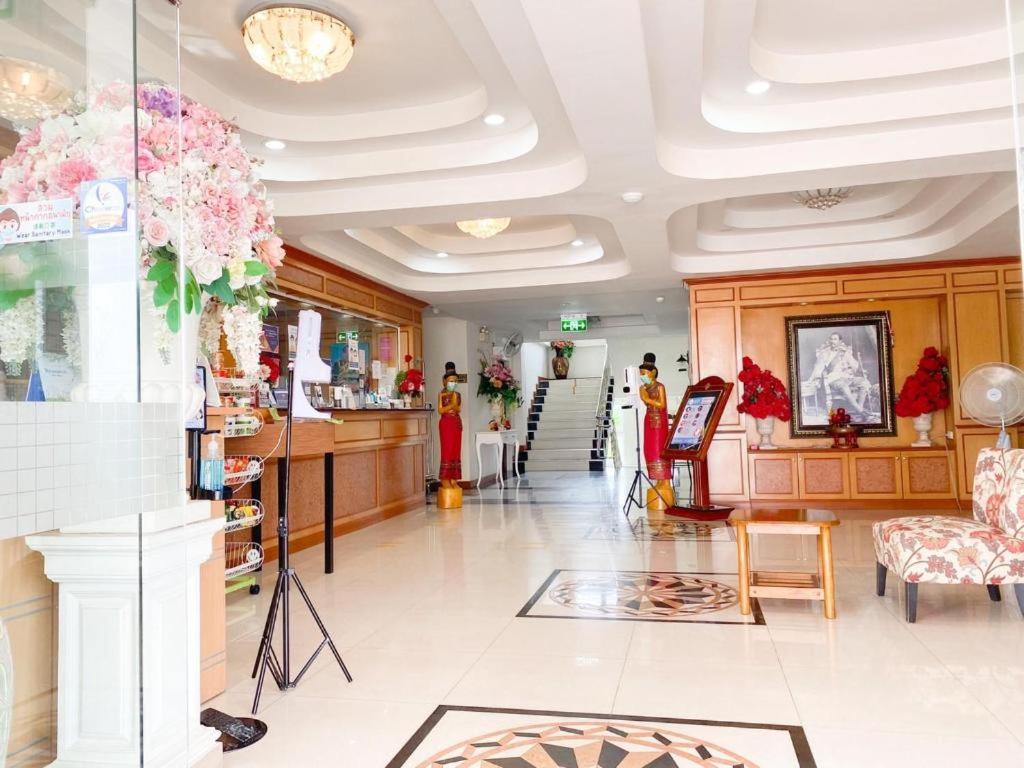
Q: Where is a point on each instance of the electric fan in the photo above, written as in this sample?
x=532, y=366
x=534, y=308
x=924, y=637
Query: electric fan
x=512, y=345
x=993, y=394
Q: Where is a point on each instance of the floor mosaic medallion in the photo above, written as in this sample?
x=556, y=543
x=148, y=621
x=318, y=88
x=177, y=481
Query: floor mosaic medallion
x=663, y=530
x=640, y=596
x=471, y=737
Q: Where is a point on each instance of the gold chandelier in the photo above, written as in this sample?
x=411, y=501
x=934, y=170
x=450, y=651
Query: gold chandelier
x=31, y=91
x=298, y=44
x=484, y=228
x=822, y=199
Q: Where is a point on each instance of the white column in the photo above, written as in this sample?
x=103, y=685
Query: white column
x=101, y=632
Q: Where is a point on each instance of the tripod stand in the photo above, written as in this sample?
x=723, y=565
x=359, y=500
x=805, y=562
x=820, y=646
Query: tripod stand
x=634, y=497
x=266, y=657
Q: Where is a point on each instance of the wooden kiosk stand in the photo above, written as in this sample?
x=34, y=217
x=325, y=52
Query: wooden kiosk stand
x=690, y=438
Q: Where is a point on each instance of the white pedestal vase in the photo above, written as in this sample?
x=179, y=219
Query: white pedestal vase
x=98, y=705
x=922, y=425
x=498, y=411
x=765, y=427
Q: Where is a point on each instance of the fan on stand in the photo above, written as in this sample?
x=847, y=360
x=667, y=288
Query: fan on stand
x=993, y=394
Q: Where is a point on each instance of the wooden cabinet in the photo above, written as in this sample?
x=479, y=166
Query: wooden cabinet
x=876, y=475
x=927, y=474
x=773, y=475
x=863, y=474
x=823, y=475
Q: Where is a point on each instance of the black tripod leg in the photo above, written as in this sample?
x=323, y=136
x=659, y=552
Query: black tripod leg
x=265, y=640
x=265, y=646
x=323, y=629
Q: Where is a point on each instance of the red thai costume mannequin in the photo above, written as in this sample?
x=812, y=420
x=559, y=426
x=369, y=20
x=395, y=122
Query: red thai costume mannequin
x=449, y=406
x=659, y=470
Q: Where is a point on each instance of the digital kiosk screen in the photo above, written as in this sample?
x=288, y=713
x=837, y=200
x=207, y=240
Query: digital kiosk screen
x=692, y=423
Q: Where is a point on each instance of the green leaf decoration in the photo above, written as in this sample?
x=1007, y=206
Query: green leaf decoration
x=9, y=298
x=221, y=288
x=164, y=293
x=173, y=317
x=160, y=271
x=255, y=268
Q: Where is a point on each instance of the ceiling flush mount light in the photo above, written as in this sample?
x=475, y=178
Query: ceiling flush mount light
x=757, y=87
x=298, y=44
x=274, y=144
x=660, y=299
x=632, y=197
x=577, y=243
x=484, y=228
x=442, y=255
x=31, y=91
x=822, y=199
x=494, y=119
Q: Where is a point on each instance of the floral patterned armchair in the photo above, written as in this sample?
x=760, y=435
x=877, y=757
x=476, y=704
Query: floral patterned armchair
x=988, y=549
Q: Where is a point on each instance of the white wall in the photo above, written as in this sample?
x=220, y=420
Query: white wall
x=588, y=359
x=533, y=363
x=623, y=352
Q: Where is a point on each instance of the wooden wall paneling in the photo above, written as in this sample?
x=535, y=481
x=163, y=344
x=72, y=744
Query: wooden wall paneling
x=27, y=607
x=717, y=341
x=824, y=476
x=710, y=295
x=788, y=291
x=355, y=484
x=213, y=619
x=773, y=475
x=1015, y=328
x=978, y=336
x=928, y=474
x=404, y=345
x=890, y=284
x=876, y=475
x=727, y=466
x=352, y=431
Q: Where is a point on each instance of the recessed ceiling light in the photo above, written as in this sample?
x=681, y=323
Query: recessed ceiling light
x=435, y=310
x=379, y=325
x=632, y=197
x=442, y=255
x=660, y=299
x=274, y=144
x=577, y=243
x=494, y=119
x=757, y=87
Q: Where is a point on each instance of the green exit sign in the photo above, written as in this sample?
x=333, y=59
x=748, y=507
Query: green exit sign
x=574, y=323
x=344, y=336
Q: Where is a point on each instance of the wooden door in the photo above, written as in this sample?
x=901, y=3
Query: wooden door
x=927, y=474
x=876, y=475
x=773, y=475
x=824, y=475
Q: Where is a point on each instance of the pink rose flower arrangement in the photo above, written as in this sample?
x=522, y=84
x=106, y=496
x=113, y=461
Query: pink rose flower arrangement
x=200, y=202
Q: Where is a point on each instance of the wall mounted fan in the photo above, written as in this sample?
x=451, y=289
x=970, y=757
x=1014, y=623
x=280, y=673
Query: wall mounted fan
x=512, y=345
x=993, y=394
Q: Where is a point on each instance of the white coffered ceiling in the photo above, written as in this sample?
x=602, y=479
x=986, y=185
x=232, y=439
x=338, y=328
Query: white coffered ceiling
x=907, y=103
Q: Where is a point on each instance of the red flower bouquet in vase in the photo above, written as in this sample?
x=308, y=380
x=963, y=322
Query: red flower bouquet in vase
x=764, y=398
x=923, y=393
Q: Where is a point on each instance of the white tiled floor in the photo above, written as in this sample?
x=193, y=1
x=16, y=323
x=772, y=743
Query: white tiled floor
x=424, y=609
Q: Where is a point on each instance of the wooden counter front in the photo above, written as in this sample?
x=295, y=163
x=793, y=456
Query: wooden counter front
x=377, y=473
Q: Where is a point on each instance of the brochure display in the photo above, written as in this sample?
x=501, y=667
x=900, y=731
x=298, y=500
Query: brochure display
x=691, y=434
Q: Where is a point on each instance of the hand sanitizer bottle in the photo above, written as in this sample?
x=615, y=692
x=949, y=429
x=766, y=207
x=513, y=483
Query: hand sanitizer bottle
x=211, y=472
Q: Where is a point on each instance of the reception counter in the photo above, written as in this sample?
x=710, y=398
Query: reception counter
x=345, y=476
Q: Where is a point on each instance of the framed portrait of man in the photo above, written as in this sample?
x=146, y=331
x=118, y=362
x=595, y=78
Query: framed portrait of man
x=840, y=361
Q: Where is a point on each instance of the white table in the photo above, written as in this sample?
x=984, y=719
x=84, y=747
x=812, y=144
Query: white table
x=498, y=440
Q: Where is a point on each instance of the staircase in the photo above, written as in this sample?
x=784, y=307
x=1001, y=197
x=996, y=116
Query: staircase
x=567, y=427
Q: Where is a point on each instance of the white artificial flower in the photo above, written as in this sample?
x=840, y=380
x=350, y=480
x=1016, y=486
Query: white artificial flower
x=207, y=269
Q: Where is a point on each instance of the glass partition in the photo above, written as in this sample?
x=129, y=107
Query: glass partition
x=364, y=354
x=92, y=500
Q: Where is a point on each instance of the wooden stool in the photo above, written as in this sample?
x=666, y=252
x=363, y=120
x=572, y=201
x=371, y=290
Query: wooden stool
x=786, y=584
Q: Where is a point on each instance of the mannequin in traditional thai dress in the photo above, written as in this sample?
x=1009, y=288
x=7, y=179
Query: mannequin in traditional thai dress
x=449, y=406
x=652, y=393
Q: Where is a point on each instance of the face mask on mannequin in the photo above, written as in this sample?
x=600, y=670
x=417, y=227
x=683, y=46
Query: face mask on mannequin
x=645, y=378
x=450, y=386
